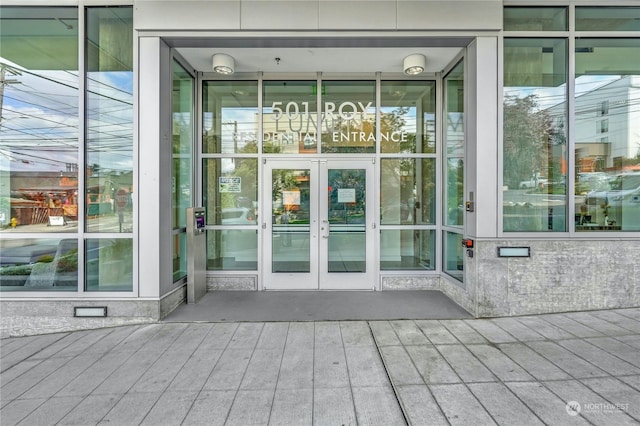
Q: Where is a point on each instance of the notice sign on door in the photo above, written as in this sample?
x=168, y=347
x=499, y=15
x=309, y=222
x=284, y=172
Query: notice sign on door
x=291, y=198
x=229, y=184
x=346, y=195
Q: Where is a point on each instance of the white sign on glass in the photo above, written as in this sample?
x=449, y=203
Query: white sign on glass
x=346, y=195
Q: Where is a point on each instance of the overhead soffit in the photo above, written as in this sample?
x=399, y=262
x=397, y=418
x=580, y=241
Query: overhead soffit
x=319, y=54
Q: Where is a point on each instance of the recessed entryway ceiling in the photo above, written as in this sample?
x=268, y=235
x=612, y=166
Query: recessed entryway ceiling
x=327, y=55
x=328, y=60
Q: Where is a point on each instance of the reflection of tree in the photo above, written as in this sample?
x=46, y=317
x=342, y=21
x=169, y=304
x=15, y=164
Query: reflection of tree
x=395, y=121
x=247, y=170
x=455, y=191
x=402, y=178
x=354, y=144
x=282, y=180
x=528, y=136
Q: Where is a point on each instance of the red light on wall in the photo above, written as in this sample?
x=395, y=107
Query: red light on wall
x=468, y=243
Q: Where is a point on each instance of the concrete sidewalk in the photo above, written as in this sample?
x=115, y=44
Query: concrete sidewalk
x=561, y=369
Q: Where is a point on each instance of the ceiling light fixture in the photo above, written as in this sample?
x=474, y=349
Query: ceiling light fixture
x=414, y=64
x=223, y=64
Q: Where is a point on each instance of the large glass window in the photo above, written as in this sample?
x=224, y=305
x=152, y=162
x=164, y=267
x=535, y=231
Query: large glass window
x=230, y=198
x=453, y=255
x=607, y=156
x=39, y=124
x=454, y=141
x=230, y=117
x=453, y=194
x=407, y=191
x=109, y=147
x=109, y=264
x=407, y=183
x=348, y=117
x=109, y=119
x=230, y=183
x=182, y=167
x=534, y=141
x=407, y=249
x=39, y=264
x=40, y=154
x=598, y=18
x=407, y=117
x=535, y=18
x=290, y=117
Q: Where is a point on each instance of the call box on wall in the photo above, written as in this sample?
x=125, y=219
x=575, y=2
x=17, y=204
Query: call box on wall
x=199, y=220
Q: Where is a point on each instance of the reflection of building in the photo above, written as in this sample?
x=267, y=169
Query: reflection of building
x=157, y=131
x=607, y=124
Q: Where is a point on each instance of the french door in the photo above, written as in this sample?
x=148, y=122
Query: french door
x=319, y=227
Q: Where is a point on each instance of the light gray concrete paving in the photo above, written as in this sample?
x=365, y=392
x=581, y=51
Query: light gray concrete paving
x=561, y=369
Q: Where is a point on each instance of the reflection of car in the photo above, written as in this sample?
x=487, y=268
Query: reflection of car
x=620, y=202
x=238, y=216
x=536, y=181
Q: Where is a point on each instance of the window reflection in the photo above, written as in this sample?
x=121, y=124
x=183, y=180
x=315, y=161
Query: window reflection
x=39, y=129
x=453, y=256
x=230, y=113
x=607, y=154
x=455, y=141
x=408, y=191
x=109, y=264
x=535, y=135
x=407, y=249
x=230, y=188
x=109, y=118
x=348, y=117
x=535, y=18
x=39, y=265
x=290, y=116
x=607, y=18
x=407, y=117
x=232, y=249
x=182, y=167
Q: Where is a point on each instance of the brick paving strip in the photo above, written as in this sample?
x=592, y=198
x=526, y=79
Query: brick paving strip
x=575, y=368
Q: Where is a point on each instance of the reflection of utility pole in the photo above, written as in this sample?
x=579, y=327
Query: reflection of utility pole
x=3, y=82
x=235, y=136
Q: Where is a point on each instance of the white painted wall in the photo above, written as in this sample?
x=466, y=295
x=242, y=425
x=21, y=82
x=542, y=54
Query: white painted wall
x=481, y=154
x=155, y=273
x=313, y=15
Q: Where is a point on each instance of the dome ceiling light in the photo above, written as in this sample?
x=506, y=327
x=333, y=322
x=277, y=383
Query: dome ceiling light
x=414, y=64
x=223, y=64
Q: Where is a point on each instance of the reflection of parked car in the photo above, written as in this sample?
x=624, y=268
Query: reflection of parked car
x=536, y=181
x=238, y=216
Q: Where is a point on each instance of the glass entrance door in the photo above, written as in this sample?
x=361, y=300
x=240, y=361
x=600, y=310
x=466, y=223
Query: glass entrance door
x=320, y=232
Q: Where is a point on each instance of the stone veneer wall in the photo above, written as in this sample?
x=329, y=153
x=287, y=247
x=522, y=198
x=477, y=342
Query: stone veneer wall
x=232, y=282
x=411, y=282
x=172, y=300
x=29, y=317
x=560, y=276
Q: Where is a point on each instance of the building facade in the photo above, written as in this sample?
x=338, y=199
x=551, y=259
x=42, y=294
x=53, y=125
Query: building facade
x=489, y=149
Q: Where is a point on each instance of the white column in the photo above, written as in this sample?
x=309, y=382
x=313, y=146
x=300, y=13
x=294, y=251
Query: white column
x=481, y=155
x=154, y=192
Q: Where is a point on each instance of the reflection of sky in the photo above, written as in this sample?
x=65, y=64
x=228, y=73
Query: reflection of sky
x=588, y=83
x=548, y=97
x=39, y=129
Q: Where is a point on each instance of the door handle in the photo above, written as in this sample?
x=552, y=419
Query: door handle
x=325, y=228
